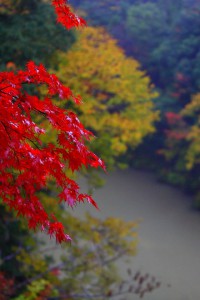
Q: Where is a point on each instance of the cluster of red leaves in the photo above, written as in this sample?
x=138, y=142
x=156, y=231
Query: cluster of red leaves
x=65, y=16
x=175, y=135
x=26, y=163
x=173, y=118
x=6, y=287
x=177, y=130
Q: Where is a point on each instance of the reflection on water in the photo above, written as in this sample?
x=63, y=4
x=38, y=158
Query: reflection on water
x=169, y=245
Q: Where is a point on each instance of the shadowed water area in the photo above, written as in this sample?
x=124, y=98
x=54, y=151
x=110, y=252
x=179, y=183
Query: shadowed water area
x=169, y=244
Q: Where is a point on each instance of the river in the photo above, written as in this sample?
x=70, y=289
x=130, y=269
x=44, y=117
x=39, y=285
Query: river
x=169, y=232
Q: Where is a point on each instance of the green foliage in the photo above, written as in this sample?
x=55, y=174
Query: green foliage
x=192, y=110
x=93, y=256
x=164, y=36
x=17, y=6
x=182, y=144
x=144, y=22
x=89, y=265
x=13, y=236
x=34, y=290
x=105, y=13
x=28, y=31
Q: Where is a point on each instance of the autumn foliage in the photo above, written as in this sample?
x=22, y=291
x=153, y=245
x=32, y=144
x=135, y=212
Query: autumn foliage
x=6, y=287
x=65, y=16
x=119, y=106
x=27, y=163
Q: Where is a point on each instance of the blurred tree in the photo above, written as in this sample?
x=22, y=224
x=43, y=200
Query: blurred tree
x=28, y=31
x=18, y=6
x=192, y=110
x=105, y=12
x=146, y=25
x=117, y=238
x=117, y=95
x=6, y=287
x=164, y=37
x=13, y=235
x=89, y=267
x=181, y=151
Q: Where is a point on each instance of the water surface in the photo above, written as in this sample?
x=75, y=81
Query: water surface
x=169, y=240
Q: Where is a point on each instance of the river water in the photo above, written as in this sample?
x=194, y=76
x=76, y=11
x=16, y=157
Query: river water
x=169, y=232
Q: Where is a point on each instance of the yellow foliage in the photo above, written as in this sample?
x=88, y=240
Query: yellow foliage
x=193, y=137
x=117, y=95
x=31, y=263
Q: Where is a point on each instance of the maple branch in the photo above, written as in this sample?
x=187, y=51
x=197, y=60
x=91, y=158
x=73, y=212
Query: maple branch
x=32, y=142
x=41, y=112
x=18, y=129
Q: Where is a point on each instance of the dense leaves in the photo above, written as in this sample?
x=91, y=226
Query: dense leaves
x=65, y=16
x=26, y=164
x=118, y=96
x=6, y=287
x=147, y=29
x=181, y=149
x=88, y=266
x=164, y=37
x=192, y=111
x=28, y=31
x=41, y=143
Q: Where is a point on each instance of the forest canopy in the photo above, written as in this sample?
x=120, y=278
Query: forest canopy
x=117, y=96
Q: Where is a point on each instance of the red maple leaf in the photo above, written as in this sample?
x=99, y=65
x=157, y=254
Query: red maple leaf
x=26, y=164
x=65, y=16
